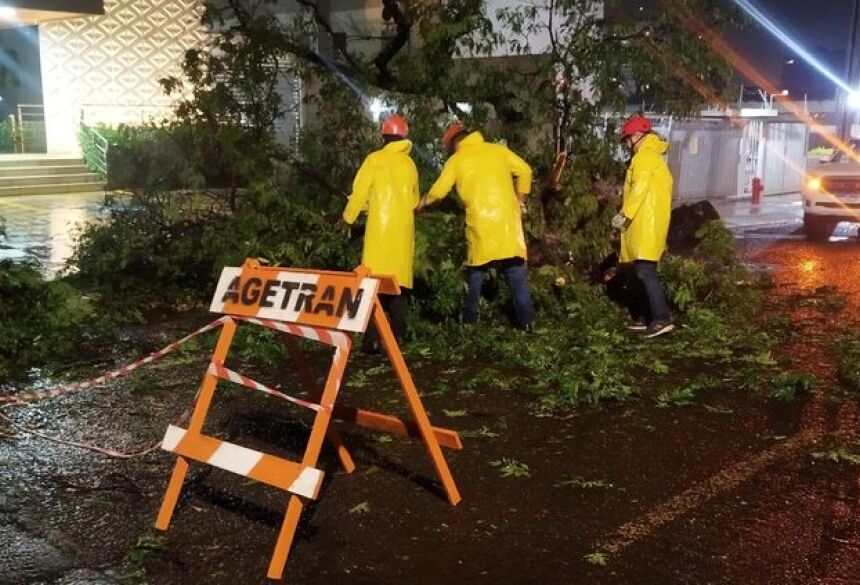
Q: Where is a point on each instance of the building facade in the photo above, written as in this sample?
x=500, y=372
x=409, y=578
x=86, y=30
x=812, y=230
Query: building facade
x=100, y=61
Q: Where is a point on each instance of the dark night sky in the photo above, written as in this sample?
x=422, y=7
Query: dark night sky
x=822, y=26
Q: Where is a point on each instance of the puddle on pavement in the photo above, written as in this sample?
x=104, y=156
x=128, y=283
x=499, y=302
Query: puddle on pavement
x=42, y=226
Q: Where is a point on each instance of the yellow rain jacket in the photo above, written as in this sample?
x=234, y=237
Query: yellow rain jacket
x=484, y=174
x=647, y=202
x=386, y=186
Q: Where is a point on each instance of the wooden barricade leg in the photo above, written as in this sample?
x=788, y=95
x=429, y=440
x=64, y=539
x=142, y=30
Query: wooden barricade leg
x=198, y=417
x=314, y=394
x=318, y=434
x=415, y=404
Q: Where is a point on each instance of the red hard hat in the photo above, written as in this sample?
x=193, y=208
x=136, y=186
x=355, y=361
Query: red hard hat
x=395, y=125
x=634, y=124
x=451, y=133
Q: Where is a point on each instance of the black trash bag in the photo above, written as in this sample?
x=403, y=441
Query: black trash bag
x=623, y=287
x=685, y=222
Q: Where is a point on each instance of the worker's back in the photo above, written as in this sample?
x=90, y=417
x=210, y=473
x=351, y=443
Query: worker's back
x=647, y=202
x=484, y=176
x=386, y=187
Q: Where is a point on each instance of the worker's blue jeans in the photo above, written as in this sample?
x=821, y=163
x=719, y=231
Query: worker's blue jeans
x=658, y=308
x=516, y=274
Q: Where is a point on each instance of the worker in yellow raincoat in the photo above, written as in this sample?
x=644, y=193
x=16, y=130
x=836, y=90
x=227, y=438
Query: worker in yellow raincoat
x=386, y=187
x=644, y=218
x=492, y=182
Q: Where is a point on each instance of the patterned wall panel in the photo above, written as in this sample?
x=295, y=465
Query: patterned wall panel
x=107, y=68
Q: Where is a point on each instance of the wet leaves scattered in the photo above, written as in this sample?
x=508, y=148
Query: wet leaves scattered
x=597, y=558
x=482, y=433
x=511, y=467
x=454, y=413
x=146, y=545
x=362, y=508
x=585, y=484
x=786, y=386
x=686, y=395
x=838, y=455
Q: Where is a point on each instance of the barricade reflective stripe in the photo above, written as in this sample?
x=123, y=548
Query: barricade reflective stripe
x=230, y=375
x=293, y=477
x=329, y=337
x=118, y=373
x=321, y=306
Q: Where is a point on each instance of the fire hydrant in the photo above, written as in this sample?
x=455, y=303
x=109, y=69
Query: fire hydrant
x=757, y=190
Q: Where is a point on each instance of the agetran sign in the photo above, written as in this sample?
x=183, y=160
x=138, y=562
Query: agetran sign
x=325, y=299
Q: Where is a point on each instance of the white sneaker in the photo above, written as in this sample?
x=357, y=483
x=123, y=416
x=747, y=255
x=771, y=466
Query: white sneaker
x=657, y=329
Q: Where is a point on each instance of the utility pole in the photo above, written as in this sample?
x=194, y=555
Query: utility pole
x=852, y=75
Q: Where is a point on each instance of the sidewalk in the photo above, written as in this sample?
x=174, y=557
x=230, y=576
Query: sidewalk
x=773, y=211
x=43, y=225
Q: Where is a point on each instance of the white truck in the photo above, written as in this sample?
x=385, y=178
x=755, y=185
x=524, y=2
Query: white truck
x=831, y=192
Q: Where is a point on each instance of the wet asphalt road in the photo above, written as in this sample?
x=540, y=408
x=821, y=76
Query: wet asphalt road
x=43, y=226
x=807, y=265
x=730, y=494
x=771, y=514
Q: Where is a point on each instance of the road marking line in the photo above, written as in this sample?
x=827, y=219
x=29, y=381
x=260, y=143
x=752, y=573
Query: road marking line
x=699, y=494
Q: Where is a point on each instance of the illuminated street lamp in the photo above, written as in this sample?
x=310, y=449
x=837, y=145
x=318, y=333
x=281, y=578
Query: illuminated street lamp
x=376, y=108
x=853, y=99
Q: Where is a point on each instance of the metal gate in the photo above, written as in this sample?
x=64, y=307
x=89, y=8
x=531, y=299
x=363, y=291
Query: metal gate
x=30, y=130
x=719, y=158
x=704, y=158
x=783, y=164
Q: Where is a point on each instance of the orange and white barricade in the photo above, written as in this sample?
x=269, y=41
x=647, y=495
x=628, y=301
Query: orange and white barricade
x=318, y=305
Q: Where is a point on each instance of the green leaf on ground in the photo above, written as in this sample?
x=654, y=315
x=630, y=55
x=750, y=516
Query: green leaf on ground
x=840, y=455
x=786, y=386
x=686, y=395
x=597, y=558
x=146, y=545
x=511, y=467
x=586, y=484
x=483, y=433
x=658, y=367
x=454, y=413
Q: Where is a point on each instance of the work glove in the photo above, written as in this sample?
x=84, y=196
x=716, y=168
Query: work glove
x=620, y=222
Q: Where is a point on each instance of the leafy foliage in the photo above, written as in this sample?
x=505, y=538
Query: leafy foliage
x=511, y=467
x=146, y=545
x=7, y=136
x=42, y=320
x=838, y=455
x=686, y=395
x=786, y=386
x=599, y=559
x=244, y=181
x=577, y=482
x=214, y=185
x=176, y=155
x=847, y=351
